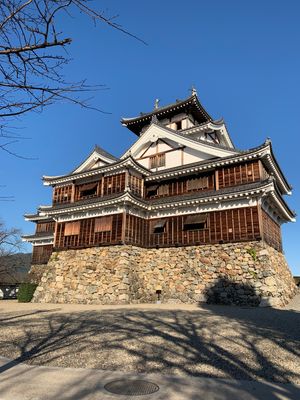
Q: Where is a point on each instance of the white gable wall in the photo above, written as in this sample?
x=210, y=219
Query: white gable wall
x=174, y=156
x=178, y=150
x=95, y=160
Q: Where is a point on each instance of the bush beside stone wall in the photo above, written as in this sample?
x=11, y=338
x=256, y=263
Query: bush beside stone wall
x=240, y=273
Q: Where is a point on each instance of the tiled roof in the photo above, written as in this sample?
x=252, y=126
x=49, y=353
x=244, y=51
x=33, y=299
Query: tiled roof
x=105, y=153
x=212, y=193
x=135, y=123
x=38, y=235
x=81, y=202
x=170, y=199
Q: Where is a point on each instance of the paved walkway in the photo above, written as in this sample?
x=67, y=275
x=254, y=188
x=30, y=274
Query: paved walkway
x=19, y=381
x=23, y=382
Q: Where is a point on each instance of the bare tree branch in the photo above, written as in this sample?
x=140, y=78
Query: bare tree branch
x=10, y=240
x=33, y=54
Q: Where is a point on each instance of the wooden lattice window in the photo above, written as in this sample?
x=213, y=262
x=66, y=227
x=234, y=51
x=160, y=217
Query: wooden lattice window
x=135, y=185
x=45, y=227
x=113, y=184
x=62, y=194
x=159, y=160
x=72, y=228
x=163, y=190
x=197, y=183
x=103, y=224
x=41, y=254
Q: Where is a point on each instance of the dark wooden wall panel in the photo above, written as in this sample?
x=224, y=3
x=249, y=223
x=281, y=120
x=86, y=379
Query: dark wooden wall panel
x=239, y=174
x=45, y=227
x=87, y=235
x=113, y=184
x=41, y=254
x=221, y=226
x=136, y=185
x=136, y=231
x=62, y=194
x=271, y=231
x=180, y=186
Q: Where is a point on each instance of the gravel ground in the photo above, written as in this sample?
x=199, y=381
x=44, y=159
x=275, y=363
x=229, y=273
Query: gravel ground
x=211, y=341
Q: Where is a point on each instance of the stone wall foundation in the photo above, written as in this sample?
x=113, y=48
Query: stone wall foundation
x=251, y=273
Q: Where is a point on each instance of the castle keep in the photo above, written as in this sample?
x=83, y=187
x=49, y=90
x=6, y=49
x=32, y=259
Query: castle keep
x=181, y=216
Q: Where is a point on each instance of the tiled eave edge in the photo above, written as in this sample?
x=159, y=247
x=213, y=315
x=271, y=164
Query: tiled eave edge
x=128, y=199
x=263, y=152
x=38, y=240
x=116, y=167
x=36, y=217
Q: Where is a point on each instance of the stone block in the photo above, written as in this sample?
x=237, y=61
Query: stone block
x=270, y=281
x=263, y=252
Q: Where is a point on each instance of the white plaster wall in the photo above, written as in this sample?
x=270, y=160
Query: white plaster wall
x=173, y=159
x=150, y=151
x=144, y=162
x=97, y=165
x=164, y=147
x=191, y=155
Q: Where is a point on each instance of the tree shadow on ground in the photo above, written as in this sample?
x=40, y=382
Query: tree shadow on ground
x=227, y=292
x=214, y=341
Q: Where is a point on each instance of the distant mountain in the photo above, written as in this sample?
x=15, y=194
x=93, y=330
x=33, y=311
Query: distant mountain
x=14, y=268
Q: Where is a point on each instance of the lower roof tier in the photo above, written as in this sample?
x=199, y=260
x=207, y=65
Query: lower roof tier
x=174, y=204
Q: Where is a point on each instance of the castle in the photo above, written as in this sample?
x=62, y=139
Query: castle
x=181, y=216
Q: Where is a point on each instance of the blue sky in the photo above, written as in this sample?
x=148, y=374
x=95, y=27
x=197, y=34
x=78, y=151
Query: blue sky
x=243, y=58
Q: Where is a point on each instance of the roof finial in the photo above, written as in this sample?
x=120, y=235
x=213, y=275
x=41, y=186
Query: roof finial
x=193, y=91
x=156, y=104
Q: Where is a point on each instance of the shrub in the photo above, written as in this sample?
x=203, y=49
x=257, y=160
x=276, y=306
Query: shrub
x=25, y=292
x=252, y=253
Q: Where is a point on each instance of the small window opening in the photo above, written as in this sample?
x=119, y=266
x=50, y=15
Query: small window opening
x=151, y=191
x=159, y=160
x=88, y=192
x=159, y=226
x=195, y=222
x=191, y=227
x=178, y=125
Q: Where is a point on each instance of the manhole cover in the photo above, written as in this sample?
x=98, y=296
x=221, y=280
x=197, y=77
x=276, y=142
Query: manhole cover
x=131, y=387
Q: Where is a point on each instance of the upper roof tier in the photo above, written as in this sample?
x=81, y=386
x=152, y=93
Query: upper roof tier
x=190, y=109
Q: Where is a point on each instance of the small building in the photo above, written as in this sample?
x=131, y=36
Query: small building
x=182, y=188
x=14, y=270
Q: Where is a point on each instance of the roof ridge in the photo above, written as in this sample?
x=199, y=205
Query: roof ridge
x=104, y=152
x=159, y=109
